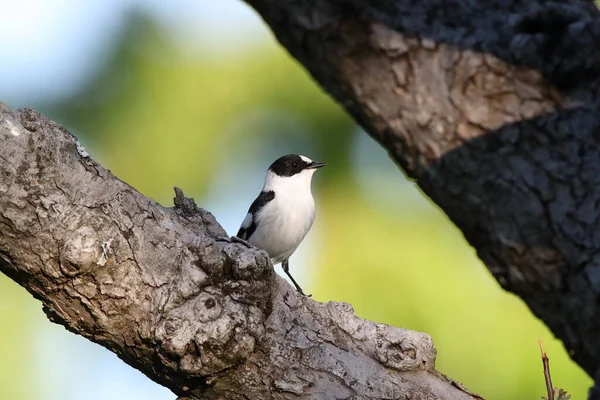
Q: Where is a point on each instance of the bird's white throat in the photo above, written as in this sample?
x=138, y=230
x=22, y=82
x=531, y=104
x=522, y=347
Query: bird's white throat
x=295, y=184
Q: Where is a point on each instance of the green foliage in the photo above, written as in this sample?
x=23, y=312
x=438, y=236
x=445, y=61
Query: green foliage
x=163, y=117
x=19, y=321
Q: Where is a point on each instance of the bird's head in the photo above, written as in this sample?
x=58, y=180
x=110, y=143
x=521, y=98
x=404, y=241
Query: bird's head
x=291, y=171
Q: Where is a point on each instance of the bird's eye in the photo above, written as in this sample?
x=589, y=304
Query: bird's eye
x=294, y=164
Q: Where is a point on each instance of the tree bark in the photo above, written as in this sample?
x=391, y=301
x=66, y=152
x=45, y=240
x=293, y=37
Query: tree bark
x=172, y=295
x=492, y=107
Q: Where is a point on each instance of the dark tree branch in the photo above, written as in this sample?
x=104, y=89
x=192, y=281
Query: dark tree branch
x=169, y=293
x=492, y=106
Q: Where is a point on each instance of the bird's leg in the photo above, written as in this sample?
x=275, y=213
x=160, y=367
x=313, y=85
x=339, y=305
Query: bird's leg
x=286, y=268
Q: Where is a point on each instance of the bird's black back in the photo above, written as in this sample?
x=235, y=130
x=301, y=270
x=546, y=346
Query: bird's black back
x=263, y=198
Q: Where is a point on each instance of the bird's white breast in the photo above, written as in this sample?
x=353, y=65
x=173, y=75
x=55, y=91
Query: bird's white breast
x=284, y=222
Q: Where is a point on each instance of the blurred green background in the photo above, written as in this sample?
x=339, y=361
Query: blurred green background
x=198, y=94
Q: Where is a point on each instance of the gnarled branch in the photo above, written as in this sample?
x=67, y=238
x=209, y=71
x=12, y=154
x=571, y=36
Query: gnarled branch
x=173, y=296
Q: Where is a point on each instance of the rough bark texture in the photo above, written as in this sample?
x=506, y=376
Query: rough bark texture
x=173, y=296
x=491, y=105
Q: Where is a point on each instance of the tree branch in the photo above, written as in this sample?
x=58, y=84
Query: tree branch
x=492, y=106
x=172, y=295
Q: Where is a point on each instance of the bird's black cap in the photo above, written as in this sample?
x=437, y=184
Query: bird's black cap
x=293, y=164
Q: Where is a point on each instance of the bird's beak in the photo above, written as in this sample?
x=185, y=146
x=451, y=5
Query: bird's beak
x=316, y=164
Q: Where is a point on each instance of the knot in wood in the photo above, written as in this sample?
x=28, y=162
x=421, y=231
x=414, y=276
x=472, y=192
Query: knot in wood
x=207, y=307
x=405, y=350
x=80, y=251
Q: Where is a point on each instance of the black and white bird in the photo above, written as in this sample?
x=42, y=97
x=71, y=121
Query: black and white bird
x=284, y=211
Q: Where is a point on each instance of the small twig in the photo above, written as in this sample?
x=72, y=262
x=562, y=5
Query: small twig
x=546, y=363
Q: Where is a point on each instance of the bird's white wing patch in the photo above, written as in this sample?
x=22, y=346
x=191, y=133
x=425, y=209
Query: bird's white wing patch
x=247, y=221
x=306, y=159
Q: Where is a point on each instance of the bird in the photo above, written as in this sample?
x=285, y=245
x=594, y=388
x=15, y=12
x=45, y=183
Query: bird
x=284, y=211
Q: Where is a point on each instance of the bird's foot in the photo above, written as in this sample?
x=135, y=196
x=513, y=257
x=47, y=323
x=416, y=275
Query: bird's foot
x=299, y=289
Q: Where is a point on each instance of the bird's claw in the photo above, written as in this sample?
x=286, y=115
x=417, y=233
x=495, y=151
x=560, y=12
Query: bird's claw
x=299, y=290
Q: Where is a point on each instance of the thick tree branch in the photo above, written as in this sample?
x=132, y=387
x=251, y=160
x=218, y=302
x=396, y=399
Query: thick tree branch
x=491, y=105
x=173, y=296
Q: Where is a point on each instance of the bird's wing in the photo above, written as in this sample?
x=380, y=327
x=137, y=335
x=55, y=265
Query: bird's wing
x=244, y=232
x=249, y=223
